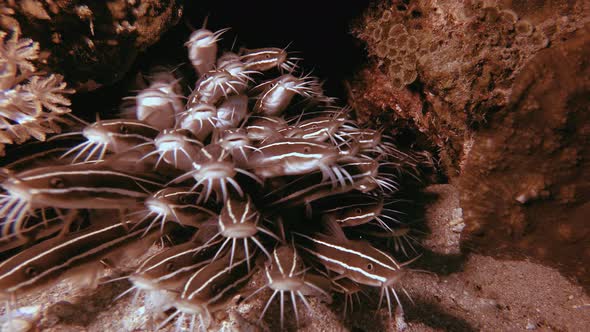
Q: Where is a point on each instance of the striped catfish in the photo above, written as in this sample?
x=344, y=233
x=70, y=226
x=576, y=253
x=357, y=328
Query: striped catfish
x=279, y=92
x=33, y=230
x=286, y=274
x=36, y=154
x=175, y=146
x=239, y=222
x=355, y=259
x=166, y=266
x=117, y=135
x=210, y=288
x=356, y=208
x=202, y=48
x=177, y=204
x=78, y=186
x=352, y=209
x=263, y=59
x=215, y=85
x=350, y=175
x=319, y=128
x=214, y=169
x=238, y=144
x=78, y=252
x=293, y=156
x=263, y=128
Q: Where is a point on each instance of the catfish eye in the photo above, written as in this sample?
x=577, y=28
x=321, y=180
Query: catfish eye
x=370, y=267
x=267, y=56
x=31, y=271
x=57, y=182
x=169, y=266
x=184, y=199
x=358, y=211
x=306, y=149
x=124, y=129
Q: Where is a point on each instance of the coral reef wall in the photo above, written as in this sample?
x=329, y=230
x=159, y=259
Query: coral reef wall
x=525, y=183
x=499, y=90
x=461, y=58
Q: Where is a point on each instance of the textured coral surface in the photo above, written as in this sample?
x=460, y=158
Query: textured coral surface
x=525, y=183
x=463, y=67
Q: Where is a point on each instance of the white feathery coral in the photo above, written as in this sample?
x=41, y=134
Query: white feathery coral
x=48, y=92
x=30, y=102
x=16, y=55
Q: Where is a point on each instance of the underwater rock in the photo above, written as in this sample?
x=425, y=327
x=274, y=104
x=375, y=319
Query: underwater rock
x=525, y=183
x=91, y=43
x=461, y=58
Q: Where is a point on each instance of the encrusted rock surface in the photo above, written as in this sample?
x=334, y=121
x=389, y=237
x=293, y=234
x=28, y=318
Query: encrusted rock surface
x=501, y=96
x=92, y=43
x=452, y=62
x=524, y=185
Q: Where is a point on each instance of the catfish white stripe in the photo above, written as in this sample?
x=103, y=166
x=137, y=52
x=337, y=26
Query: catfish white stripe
x=210, y=279
x=230, y=286
x=118, y=123
x=230, y=211
x=278, y=263
x=87, y=172
x=171, y=257
x=362, y=216
x=295, y=256
x=294, y=143
x=344, y=265
x=397, y=267
x=90, y=189
x=205, y=284
x=249, y=54
x=245, y=213
x=187, y=283
x=263, y=61
x=182, y=270
x=296, y=154
x=130, y=135
x=347, y=206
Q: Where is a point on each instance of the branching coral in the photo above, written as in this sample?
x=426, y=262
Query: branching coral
x=31, y=102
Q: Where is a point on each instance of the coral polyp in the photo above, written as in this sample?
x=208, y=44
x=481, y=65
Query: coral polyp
x=31, y=102
x=260, y=174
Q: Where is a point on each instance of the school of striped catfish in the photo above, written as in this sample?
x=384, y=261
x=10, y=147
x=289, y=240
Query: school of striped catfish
x=256, y=171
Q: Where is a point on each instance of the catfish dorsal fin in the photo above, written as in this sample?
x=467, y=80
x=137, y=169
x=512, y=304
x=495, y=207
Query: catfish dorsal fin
x=333, y=230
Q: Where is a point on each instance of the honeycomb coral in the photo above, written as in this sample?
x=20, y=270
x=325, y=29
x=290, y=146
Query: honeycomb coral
x=397, y=48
